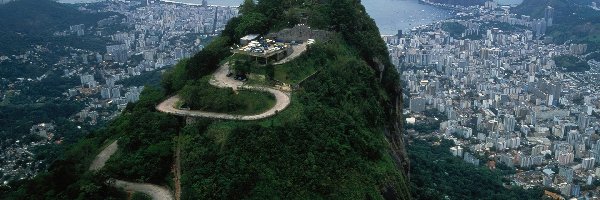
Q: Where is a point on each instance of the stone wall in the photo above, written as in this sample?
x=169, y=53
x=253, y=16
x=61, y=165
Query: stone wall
x=300, y=33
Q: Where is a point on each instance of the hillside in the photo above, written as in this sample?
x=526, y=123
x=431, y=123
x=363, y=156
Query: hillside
x=339, y=138
x=32, y=22
x=573, y=20
x=18, y=16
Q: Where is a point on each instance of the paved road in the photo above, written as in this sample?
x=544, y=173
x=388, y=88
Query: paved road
x=221, y=80
x=298, y=50
x=154, y=191
x=101, y=158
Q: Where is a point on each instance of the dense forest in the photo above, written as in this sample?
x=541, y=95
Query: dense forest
x=437, y=174
x=455, y=29
x=329, y=144
x=36, y=103
x=146, y=136
x=570, y=63
x=23, y=26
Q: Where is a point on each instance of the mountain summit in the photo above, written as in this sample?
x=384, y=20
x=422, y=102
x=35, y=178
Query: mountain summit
x=294, y=100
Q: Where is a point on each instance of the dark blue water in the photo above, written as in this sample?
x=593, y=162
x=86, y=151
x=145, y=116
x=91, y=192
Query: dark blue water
x=394, y=15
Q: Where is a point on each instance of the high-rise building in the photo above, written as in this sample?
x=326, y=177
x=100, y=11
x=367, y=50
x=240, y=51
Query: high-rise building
x=588, y=163
x=575, y=190
x=509, y=123
x=537, y=150
x=119, y=53
x=116, y=92
x=565, y=189
x=179, y=53
x=540, y=28
x=105, y=93
x=583, y=121
x=111, y=80
x=525, y=161
x=578, y=48
x=549, y=15
x=469, y=158
x=565, y=158
x=88, y=80
x=548, y=179
x=567, y=173
x=417, y=104
x=507, y=159
x=132, y=96
x=457, y=151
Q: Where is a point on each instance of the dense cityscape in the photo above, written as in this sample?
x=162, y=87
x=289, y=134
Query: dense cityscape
x=502, y=96
x=494, y=84
x=149, y=38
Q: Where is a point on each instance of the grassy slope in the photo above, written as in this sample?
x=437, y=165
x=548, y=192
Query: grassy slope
x=437, y=174
x=200, y=95
x=297, y=70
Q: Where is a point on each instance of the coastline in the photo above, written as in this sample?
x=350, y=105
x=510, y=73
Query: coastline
x=445, y=6
x=193, y=4
x=458, y=7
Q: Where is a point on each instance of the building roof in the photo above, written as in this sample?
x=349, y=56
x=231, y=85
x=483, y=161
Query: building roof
x=548, y=172
x=250, y=37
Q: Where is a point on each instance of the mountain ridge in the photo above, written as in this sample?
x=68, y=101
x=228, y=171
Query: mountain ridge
x=340, y=138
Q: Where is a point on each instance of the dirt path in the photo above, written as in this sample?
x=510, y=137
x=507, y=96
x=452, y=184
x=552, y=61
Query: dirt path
x=221, y=80
x=177, y=170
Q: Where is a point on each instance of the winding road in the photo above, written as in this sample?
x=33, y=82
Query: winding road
x=103, y=156
x=154, y=191
x=221, y=80
x=298, y=50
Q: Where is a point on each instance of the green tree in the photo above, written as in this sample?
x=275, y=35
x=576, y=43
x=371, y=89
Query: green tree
x=252, y=23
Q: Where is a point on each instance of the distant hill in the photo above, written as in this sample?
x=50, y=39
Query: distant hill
x=460, y=2
x=573, y=20
x=27, y=22
x=563, y=8
x=36, y=16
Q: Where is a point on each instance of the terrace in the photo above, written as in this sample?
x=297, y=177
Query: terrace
x=264, y=51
